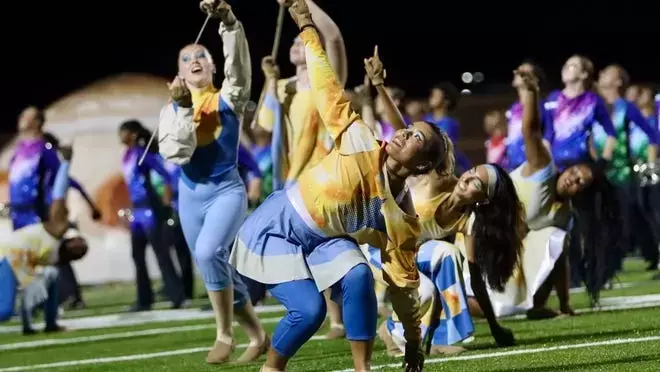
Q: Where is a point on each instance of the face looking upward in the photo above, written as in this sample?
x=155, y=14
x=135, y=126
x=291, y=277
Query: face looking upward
x=196, y=66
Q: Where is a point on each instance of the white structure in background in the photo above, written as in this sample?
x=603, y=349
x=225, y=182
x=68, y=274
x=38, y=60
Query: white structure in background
x=90, y=118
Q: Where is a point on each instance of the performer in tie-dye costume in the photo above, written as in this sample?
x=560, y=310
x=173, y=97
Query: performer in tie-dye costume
x=304, y=239
x=637, y=139
x=572, y=113
x=299, y=139
x=515, y=145
x=40, y=245
x=212, y=197
x=443, y=205
x=147, y=215
x=547, y=195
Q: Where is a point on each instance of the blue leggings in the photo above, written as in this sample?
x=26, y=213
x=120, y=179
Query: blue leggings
x=211, y=214
x=306, y=309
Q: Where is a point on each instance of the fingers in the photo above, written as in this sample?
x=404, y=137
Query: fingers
x=376, y=51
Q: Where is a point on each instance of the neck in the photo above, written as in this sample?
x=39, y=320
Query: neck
x=573, y=89
x=439, y=112
x=610, y=94
x=30, y=135
x=302, y=75
x=396, y=176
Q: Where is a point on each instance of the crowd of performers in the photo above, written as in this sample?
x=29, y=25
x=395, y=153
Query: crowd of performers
x=358, y=199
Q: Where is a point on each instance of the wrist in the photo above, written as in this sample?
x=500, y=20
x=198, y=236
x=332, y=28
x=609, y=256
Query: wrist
x=229, y=19
x=306, y=21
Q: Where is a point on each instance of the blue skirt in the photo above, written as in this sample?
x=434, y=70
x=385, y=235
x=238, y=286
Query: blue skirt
x=276, y=245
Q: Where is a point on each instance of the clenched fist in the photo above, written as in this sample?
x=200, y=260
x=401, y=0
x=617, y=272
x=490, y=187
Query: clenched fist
x=218, y=9
x=180, y=93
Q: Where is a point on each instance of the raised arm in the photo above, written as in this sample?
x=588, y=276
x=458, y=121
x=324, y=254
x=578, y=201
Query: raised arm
x=377, y=74
x=333, y=41
x=331, y=102
x=235, y=88
x=602, y=116
x=636, y=117
x=58, y=222
x=538, y=156
x=155, y=162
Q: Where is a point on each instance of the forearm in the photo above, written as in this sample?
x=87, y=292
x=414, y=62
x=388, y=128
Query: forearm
x=333, y=41
x=608, y=150
x=238, y=66
x=652, y=153
x=393, y=114
x=405, y=303
x=175, y=142
x=59, y=216
x=331, y=103
x=481, y=294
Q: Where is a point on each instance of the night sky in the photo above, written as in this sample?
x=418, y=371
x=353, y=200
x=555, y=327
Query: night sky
x=54, y=48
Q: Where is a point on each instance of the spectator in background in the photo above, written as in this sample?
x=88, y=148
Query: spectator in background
x=415, y=109
x=495, y=128
x=442, y=102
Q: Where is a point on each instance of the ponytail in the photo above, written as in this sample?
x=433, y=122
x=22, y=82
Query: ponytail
x=143, y=134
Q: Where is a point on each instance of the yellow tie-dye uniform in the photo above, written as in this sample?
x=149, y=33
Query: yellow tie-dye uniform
x=28, y=248
x=305, y=139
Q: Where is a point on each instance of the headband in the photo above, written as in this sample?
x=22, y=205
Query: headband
x=492, y=180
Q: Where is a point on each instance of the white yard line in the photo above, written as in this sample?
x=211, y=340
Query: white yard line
x=129, y=319
x=118, y=335
x=124, y=358
x=621, y=303
x=519, y=352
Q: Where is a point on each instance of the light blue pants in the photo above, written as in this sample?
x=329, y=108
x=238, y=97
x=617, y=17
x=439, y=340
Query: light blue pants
x=211, y=214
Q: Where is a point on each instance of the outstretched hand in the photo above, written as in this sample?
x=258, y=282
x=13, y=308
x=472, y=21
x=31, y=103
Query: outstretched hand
x=218, y=9
x=180, y=93
x=374, y=68
x=300, y=13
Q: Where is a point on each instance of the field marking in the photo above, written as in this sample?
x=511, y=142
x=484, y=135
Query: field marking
x=118, y=335
x=519, y=352
x=124, y=358
x=624, y=304
x=129, y=319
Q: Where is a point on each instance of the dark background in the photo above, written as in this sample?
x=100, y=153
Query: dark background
x=53, y=48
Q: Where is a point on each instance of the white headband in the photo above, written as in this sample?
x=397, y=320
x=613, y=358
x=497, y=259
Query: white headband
x=492, y=180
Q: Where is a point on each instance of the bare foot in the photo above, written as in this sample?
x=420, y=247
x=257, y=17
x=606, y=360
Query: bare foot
x=446, y=350
x=541, y=313
x=253, y=353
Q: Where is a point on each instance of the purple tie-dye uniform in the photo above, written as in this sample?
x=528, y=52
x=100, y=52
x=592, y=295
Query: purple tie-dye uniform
x=515, y=144
x=32, y=172
x=571, y=123
x=144, y=197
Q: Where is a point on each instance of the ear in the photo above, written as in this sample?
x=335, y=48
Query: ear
x=424, y=166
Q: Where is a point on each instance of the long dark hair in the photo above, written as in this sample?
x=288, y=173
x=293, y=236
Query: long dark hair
x=597, y=243
x=143, y=134
x=498, y=231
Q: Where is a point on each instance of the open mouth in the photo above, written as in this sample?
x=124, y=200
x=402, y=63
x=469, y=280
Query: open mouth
x=196, y=69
